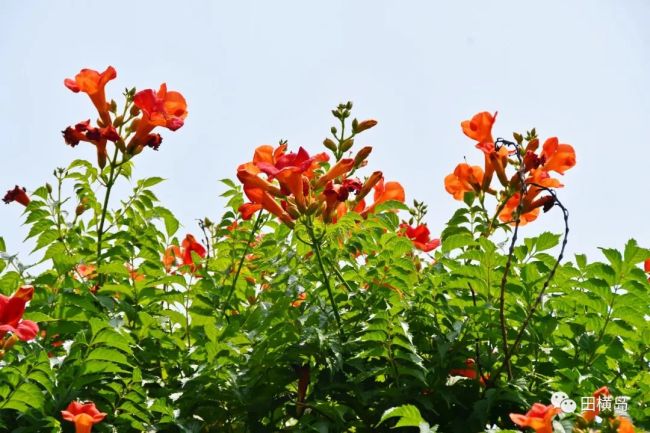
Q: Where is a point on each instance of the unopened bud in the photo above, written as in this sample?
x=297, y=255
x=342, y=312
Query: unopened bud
x=207, y=222
x=80, y=209
x=119, y=120
x=292, y=210
x=362, y=155
x=369, y=184
x=313, y=208
x=112, y=106
x=329, y=144
x=366, y=124
x=333, y=130
x=518, y=137
x=532, y=145
x=49, y=188
x=347, y=145
x=9, y=342
x=134, y=111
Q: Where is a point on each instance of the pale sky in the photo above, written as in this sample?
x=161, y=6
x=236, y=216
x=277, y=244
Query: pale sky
x=256, y=72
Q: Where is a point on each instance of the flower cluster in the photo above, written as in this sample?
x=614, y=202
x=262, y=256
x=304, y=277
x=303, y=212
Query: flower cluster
x=291, y=184
x=12, y=309
x=130, y=134
x=531, y=166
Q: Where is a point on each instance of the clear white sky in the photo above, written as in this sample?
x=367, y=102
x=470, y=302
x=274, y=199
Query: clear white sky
x=255, y=72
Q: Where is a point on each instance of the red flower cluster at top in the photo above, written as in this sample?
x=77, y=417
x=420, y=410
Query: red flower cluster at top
x=536, y=168
x=290, y=184
x=12, y=309
x=83, y=415
x=162, y=108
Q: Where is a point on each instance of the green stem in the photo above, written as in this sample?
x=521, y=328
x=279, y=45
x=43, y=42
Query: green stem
x=256, y=226
x=100, y=229
x=315, y=244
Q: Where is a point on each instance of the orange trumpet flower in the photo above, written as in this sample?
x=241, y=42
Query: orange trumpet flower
x=161, y=108
x=383, y=192
x=557, y=157
x=465, y=178
x=539, y=418
x=93, y=83
x=83, y=415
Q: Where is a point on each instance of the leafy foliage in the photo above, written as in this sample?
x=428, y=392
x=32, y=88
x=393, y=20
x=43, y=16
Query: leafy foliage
x=246, y=337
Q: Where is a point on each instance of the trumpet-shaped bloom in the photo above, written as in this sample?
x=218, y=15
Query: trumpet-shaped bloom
x=11, y=314
x=624, y=425
x=557, y=157
x=182, y=256
x=383, y=193
x=470, y=371
x=83, y=415
x=420, y=236
x=18, y=195
x=531, y=204
x=479, y=128
x=539, y=418
x=162, y=108
x=465, y=178
x=93, y=83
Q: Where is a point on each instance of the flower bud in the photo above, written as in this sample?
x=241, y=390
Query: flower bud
x=49, y=188
x=366, y=124
x=134, y=111
x=368, y=185
x=532, y=145
x=112, y=106
x=329, y=144
x=313, y=208
x=362, y=155
x=347, y=145
x=119, y=120
x=292, y=210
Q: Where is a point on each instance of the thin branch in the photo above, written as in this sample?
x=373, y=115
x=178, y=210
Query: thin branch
x=256, y=226
x=551, y=274
x=511, y=250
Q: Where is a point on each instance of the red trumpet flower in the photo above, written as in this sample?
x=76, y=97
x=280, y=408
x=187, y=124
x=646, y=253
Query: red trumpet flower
x=17, y=194
x=11, y=314
x=420, y=236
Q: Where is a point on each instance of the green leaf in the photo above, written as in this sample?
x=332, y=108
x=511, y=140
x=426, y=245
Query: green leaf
x=409, y=416
x=171, y=223
x=151, y=181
